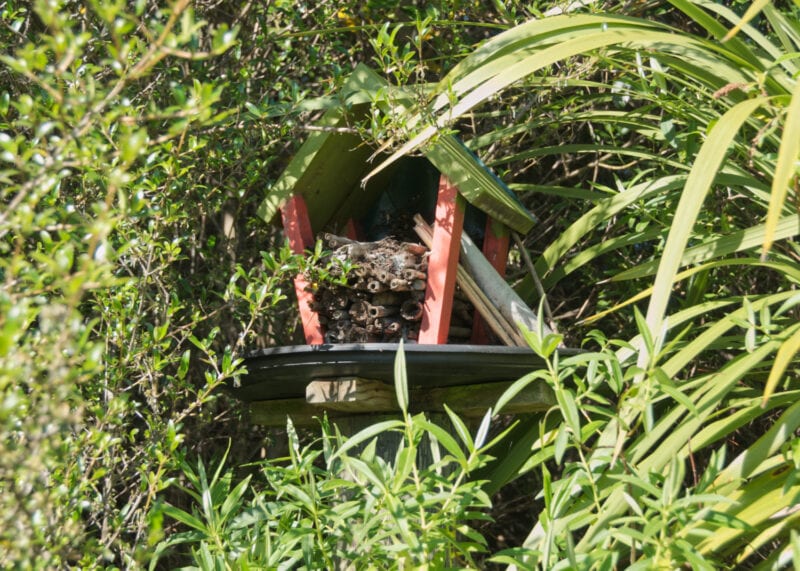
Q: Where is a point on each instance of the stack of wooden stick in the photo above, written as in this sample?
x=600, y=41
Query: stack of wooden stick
x=381, y=300
x=493, y=298
x=381, y=297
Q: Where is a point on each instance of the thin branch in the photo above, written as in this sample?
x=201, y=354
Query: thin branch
x=539, y=288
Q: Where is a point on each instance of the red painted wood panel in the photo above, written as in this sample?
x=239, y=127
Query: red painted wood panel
x=495, y=248
x=297, y=228
x=442, y=264
x=351, y=230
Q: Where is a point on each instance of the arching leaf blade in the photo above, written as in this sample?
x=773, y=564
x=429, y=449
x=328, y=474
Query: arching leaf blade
x=786, y=168
x=786, y=353
x=704, y=170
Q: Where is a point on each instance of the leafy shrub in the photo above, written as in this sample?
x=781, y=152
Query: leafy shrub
x=331, y=505
x=135, y=146
x=114, y=333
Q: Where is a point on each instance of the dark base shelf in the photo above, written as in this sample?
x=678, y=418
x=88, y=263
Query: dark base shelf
x=284, y=372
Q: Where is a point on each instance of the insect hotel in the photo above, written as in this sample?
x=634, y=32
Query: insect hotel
x=417, y=254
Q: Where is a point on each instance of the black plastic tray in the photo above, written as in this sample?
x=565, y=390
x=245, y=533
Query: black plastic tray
x=284, y=372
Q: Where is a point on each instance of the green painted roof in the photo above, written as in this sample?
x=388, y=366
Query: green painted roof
x=329, y=167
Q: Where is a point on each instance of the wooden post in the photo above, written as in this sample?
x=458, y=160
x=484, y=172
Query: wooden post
x=351, y=395
x=297, y=228
x=347, y=397
x=495, y=248
x=352, y=230
x=442, y=264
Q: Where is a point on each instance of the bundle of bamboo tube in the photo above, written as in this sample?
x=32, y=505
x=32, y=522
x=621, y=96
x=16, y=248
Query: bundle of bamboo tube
x=383, y=295
x=492, y=297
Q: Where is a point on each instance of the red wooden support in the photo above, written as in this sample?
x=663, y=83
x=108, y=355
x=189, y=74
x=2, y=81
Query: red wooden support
x=495, y=248
x=442, y=264
x=351, y=229
x=297, y=228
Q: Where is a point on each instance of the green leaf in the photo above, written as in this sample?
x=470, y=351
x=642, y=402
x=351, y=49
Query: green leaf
x=786, y=353
x=516, y=387
x=460, y=428
x=401, y=379
x=560, y=444
x=704, y=170
x=785, y=168
x=752, y=11
x=444, y=439
x=365, y=434
x=568, y=407
x=233, y=499
x=740, y=241
x=184, y=517
x=483, y=429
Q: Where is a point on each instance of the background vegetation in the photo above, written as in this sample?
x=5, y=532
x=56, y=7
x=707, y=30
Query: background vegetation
x=658, y=152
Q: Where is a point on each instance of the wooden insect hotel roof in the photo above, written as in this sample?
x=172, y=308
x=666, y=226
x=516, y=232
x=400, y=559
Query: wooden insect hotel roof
x=329, y=167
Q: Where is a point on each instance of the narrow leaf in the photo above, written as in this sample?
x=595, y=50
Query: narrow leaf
x=785, y=168
x=184, y=517
x=566, y=401
x=365, y=434
x=704, y=169
x=401, y=378
x=751, y=13
x=444, y=439
x=483, y=429
x=785, y=354
x=460, y=428
x=516, y=387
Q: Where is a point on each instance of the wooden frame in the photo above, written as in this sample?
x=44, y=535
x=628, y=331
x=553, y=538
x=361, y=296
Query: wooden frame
x=297, y=228
x=442, y=264
x=496, y=241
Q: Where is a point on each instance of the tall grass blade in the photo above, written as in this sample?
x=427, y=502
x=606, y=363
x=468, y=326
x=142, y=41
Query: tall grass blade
x=743, y=240
x=786, y=353
x=705, y=167
x=785, y=168
x=752, y=11
x=788, y=270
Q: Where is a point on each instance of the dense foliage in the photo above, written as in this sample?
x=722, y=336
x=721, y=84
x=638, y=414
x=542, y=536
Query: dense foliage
x=659, y=152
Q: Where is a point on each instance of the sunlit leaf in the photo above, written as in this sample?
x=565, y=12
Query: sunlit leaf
x=786, y=168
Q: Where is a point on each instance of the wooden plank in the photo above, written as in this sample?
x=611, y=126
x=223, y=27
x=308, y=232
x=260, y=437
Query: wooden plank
x=496, y=240
x=297, y=229
x=442, y=264
x=503, y=296
x=507, y=333
x=469, y=401
x=475, y=400
x=352, y=230
x=351, y=394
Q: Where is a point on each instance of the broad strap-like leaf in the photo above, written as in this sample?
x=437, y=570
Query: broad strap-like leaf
x=705, y=168
x=752, y=11
x=786, y=353
x=740, y=241
x=786, y=168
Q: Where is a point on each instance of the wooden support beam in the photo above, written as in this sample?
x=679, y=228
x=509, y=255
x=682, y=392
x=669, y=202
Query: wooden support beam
x=474, y=400
x=352, y=230
x=297, y=228
x=351, y=394
x=344, y=398
x=442, y=264
x=508, y=334
x=495, y=247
